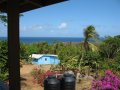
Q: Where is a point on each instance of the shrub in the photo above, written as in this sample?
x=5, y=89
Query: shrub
x=39, y=75
x=3, y=61
x=59, y=69
x=109, y=82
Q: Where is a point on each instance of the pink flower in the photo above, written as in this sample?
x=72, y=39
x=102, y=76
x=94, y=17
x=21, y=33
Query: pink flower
x=108, y=82
x=108, y=72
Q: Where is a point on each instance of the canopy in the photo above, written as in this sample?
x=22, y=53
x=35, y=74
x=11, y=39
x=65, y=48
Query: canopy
x=27, y=5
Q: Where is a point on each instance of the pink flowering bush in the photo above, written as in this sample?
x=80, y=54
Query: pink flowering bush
x=108, y=82
x=39, y=75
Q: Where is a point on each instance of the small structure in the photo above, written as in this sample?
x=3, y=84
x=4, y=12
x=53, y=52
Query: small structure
x=41, y=59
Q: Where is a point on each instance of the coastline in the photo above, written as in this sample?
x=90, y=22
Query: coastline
x=49, y=40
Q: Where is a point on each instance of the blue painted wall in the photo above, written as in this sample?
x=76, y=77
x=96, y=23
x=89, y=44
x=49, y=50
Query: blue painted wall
x=46, y=60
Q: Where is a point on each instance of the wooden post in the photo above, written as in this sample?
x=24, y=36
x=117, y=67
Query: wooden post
x=13, y=44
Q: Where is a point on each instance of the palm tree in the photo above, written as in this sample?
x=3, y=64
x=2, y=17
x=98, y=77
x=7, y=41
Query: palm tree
x=89, y=33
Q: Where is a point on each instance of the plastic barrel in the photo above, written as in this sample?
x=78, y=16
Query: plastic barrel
x=51, y=83
x=68, y=82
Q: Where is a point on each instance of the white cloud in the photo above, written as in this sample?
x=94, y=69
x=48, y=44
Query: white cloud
x=34, y=27
x=63, y=25
x=43, y=27
x=37, y=27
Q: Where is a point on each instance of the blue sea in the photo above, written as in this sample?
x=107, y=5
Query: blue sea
x=47, y=39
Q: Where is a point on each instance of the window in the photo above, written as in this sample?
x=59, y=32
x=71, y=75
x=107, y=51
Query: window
x=45, y=59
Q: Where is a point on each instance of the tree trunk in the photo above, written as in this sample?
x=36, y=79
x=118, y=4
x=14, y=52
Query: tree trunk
x=86, y=46
x=80, y=61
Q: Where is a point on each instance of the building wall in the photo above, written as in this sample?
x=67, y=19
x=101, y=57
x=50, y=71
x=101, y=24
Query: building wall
x=47, y=60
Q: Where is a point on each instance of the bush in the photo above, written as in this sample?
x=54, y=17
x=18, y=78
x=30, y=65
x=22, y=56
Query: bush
x=3, y=61
x=40, y=75
x=109, y=82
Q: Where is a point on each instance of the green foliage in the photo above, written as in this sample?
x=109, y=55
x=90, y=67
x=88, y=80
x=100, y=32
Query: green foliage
x=110, y=47
x=118, y=36
x=70, y=62
x=69, y=55
x=72, y=55
x=3, y=17
x=110, y=64
x=3, y=61
x=32, y=49
x=110, y=52
x=24, y=54
x=91, y=58
x=44, y=48
x=67, y=52
x=3, y=53
x=91, y=61
x=89, y=33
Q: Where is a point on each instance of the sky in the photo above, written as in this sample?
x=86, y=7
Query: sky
x=69, y=19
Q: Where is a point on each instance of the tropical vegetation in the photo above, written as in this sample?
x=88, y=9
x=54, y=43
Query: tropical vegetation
x=73, y=55
x=92, y=56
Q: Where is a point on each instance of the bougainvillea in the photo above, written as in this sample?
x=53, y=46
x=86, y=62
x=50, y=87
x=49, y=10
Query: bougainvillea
x=39, y=75
x=109, y=82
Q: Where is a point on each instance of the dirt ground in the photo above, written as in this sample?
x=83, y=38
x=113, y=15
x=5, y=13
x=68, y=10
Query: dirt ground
x=28, y=84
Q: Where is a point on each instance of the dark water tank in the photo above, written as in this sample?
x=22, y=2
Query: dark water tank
x=3, y=86
x=68, y=82
x=51, y=83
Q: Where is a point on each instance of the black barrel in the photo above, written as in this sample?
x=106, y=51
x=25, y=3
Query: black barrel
x=3, y=86
x=51, y=83
x=68, y=82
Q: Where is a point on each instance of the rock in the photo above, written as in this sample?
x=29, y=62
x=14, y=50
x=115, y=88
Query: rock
x=89, y=77
x=78, y=77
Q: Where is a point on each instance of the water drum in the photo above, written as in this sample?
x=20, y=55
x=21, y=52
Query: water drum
x=51, y=83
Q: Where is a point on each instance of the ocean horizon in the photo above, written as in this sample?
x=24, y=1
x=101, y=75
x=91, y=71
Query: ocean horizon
x=47, y=39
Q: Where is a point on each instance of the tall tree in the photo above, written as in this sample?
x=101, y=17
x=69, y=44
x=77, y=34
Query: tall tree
x=3, y=52
x=89, y=33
